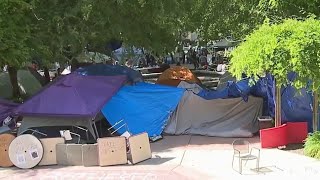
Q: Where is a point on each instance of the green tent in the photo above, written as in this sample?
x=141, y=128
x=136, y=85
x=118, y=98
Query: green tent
x=27, y=82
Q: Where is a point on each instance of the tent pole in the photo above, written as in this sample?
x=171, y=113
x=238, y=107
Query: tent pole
x=278, y=106
x=315, y=111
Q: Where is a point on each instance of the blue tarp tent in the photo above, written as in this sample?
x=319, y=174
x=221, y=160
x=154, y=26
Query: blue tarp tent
x=143, y=107
x=111, y=70
x=264, y=88
x=296, y=105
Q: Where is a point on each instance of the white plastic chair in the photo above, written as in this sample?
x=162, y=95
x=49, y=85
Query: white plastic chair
x=242, y=151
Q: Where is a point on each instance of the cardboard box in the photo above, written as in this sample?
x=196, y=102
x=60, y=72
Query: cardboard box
x=62, y=158
x=49, y=150
x=140, y=149
x=74, y=153
x=5, y=140
x=90, y=155
x=69, y=154
x=112, y=151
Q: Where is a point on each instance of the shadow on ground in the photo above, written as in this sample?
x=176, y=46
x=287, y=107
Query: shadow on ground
x=195, y=142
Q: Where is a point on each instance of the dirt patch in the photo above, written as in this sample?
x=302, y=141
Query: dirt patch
x=294, y=148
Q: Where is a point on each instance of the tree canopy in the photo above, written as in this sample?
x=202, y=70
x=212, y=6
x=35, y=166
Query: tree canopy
x=292, y=46
x=58, y=30
x=15, y=32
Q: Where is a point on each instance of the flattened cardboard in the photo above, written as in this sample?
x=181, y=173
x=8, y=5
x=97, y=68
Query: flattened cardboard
x=140, y=149
x=90, y=155
x=74, y=153
x=5, y=140
x=61, y=151
x=112, y=151
x=49, y=150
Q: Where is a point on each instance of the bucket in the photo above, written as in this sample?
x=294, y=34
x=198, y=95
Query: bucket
x=265, y=122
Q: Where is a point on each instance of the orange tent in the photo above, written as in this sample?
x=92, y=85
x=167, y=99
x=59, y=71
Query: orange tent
x=174, y=75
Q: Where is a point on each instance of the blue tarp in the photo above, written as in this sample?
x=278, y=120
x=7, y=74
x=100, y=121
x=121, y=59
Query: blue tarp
x=111, y=70
x=143, y=107
x=296, y=105
x=233, y=90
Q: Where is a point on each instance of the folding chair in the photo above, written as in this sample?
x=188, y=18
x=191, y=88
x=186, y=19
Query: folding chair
x=66, y=134
x=242, y=151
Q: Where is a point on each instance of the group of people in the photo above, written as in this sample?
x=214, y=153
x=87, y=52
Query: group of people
x=196, y=57
x=199, y=57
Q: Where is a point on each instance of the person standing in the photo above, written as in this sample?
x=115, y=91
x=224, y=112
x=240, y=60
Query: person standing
x=194, y=59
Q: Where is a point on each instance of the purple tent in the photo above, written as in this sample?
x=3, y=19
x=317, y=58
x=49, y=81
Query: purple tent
x=73, y=96
x=72, y=100
x=6, y=109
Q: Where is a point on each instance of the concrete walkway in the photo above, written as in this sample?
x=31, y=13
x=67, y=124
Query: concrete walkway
x=185, y=157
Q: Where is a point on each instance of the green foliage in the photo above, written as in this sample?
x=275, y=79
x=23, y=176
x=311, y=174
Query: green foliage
x=237, y=18
x=279, y=49
x=14, y=32
x=57, y=30
x=312, y=145
x=280, y=9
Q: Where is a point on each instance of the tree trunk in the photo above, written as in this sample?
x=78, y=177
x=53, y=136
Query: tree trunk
x=13, y=74
x=46, y=74
x=278, y=106
x=315, y=111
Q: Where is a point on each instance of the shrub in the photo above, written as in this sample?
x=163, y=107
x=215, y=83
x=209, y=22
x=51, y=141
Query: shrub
x=312, y=145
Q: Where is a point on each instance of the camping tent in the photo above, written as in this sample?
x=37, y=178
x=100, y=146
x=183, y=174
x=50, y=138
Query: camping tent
x=296, y=104
x=174, y=75
x=232, y=90
x=147, y=107
x=6, y=109
x=71, y=100
x=27, y=82
x=195, y=88
x=111, y=70
x=223, y=80
x=143, y=107
x=42, y=80
x=231, y=117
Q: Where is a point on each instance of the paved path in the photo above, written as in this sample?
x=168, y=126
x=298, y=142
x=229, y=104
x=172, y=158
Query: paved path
x=184, y=157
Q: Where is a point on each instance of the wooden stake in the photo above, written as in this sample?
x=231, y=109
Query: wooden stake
x=315, y=117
